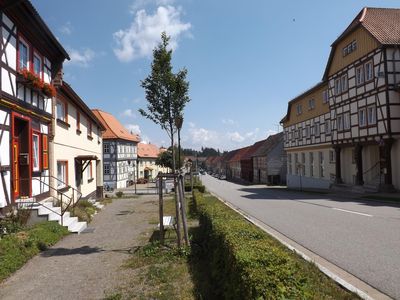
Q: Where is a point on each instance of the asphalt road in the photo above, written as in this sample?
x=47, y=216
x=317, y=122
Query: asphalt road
x=360, y=236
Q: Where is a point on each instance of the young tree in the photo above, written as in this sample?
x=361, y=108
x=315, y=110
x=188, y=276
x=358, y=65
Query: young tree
x=166, y=92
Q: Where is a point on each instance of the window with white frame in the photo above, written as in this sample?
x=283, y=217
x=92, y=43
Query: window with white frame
x=307, y=129
x=317, y=130
x=35, y=152
x=37, y=64
x=339, y=121
x=300, y=133
x=325, y=96
x=360, y=75
x=369, y=71
x=61, y=111
x=106, y=148
x=62, y=174
x=371, y=114
x=346, y=121
x=338, y=88
x=362, y=117
x=343, y=83
x=327, y=127
x=321, y=164
x=107, y=169
x=23, y=55
x=331, y=156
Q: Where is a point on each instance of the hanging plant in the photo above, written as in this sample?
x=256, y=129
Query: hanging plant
x=49, y=90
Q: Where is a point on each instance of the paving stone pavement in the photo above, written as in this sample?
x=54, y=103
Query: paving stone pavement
x=86, y=266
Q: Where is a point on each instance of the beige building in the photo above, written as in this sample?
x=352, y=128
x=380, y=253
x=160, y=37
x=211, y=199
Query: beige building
x=146, y=161
x=362, y=109
x=76, y=159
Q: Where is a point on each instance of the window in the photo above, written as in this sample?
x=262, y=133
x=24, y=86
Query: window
x=106, y=169
x=328, y=127
x=321, y=164
x=45, y=152
x=339, y=121
x=325, y=96
x=299, y=109
x=300, y=133
x=343, y=83
x=78, y=121
x=89, y=171
x=62, y=174
x=311, y=164
x=23, y=55
x=346, y=121
x=353, y=156
x=37, y=65
x=296, y=163
x=61, y=111
x=362, y=119
x=331, y=156
x=369, y=71
x=349, y=48
x=311, y=104
x=89, y=128
x=360, y=75
x=317, y=129
x=371, y=113
x=106, y=148
x=338, y=88
x=307, y=131
x=35, y=152
x=303, y=164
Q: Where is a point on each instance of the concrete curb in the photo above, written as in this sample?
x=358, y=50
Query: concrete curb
x=343, y=278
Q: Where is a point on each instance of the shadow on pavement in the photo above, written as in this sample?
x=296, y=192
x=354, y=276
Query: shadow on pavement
x=286, y=194
x=65, y=251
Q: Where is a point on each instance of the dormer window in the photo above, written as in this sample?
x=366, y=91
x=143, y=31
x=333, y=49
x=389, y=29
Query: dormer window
x=311, y=104
x=299, y=109
x=349, y=48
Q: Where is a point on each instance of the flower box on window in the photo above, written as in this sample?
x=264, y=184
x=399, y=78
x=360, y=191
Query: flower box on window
x=33, y=81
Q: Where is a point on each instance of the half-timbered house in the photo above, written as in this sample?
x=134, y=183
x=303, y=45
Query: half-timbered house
x=119, y=152
x=31, y=57
x=363, y=73
x=147, y=167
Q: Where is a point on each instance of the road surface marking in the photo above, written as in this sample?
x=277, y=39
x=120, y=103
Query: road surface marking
x=352, y=212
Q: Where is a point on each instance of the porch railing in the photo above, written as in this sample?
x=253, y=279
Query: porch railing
x=66, y=202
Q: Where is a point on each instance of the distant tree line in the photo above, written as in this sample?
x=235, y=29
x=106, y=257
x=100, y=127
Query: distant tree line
x=204, y=152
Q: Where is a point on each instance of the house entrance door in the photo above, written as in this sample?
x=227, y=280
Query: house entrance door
x=21, y=156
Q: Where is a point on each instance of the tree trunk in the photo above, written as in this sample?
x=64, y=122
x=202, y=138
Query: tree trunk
x=177, y=204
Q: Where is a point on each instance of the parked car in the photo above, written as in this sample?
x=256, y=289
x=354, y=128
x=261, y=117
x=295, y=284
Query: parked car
x=222, y=177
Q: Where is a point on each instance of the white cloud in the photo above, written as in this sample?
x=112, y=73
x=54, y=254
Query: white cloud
x=128, y=113
x=135, y=129
x=271, y=132
x=81, y=58
x=140, y=4
x=236, y=137
x=66, y=28
x=202, y=136
x=143, y=35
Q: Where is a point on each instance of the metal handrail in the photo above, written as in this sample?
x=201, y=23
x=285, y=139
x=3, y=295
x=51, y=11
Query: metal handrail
x=66, y=185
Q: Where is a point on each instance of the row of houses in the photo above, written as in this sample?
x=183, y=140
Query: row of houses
x=52, y=145
x=262, y=162
x=345, y=130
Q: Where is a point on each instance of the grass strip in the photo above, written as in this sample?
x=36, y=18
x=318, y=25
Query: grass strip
x=17, y=248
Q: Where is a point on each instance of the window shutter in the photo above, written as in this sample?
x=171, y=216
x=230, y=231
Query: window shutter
x=45, y=152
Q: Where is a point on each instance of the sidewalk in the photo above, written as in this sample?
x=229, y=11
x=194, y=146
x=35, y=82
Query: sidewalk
x=86, y=266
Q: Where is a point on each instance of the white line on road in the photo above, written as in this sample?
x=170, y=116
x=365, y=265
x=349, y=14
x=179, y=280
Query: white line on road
x=352, y=212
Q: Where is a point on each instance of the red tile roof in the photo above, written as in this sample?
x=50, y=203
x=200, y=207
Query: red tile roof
x=148, y=150
x=114, y=129
x=239, y=154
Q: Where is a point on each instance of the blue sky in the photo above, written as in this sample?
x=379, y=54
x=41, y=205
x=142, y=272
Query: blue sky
x=245, y=59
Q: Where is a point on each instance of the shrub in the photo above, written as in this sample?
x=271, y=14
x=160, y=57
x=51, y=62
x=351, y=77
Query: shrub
x=16, y=249
x=201, y=188
x=246, y=263
x=84, y=210
x=119, y=194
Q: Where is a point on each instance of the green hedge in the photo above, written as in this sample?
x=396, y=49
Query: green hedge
x=16, y=249
x=201, y=188
x=246, y=263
